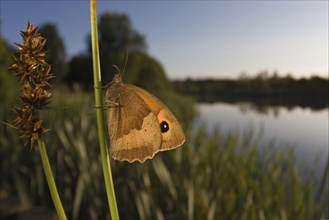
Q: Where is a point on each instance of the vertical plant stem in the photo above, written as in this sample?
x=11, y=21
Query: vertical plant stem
x=51, y=182
x=100, y=116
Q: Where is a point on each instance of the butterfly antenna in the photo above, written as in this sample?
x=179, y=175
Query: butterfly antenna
x=124, y=68
x=115, y=66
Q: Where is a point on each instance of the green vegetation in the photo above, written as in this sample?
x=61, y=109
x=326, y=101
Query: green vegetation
x=7, y=79
x=211, y=176
x=55, y=48
x=263, y=89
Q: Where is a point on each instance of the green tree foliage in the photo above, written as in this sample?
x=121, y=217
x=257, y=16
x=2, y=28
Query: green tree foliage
x=145, y=71
x=7, y=79
x=80, y=71
x=8, y=88
x=56, y=55
x=116, y=38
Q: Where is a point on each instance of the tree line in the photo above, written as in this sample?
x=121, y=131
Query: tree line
x=262, y=88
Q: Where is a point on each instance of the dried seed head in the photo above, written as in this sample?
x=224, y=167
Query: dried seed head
x=34, y=73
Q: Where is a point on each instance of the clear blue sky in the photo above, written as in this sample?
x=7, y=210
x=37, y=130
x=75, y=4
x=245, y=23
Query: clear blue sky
x=195, y=38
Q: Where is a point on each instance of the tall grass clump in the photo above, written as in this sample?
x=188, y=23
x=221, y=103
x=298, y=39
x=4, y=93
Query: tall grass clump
x=211, y=177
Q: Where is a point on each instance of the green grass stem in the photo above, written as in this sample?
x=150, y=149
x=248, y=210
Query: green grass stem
x=100, y=116
x=51, y=182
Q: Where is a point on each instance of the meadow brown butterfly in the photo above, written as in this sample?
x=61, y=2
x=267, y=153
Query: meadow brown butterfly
x=139, y=124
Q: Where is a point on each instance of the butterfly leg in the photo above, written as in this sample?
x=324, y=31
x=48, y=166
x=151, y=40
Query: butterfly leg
x=110, y=104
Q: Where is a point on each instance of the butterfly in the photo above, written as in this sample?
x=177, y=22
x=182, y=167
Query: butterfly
x=139, y=124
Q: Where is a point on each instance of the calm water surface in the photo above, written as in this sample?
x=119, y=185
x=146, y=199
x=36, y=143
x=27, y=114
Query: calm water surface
x=305, y=129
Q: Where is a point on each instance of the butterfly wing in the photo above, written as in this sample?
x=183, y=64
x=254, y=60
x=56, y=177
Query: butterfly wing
x=174, y=136
x=133, y=127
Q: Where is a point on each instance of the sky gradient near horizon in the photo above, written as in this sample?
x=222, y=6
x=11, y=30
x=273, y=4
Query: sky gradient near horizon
x=217, y=39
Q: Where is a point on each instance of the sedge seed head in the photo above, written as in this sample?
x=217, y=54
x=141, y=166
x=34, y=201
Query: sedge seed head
x=34, y=73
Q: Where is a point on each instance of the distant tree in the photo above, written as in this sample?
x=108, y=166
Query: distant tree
x=8, y=84
x=275, y=74
x=80, y=71
x=146, y=72
x=288, y=77
x=244, y=76
x=6, y=53
x=56, y=55
x=116, y=38
x=262, y=75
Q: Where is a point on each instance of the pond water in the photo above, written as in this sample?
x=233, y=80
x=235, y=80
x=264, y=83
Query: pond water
x=303, y=128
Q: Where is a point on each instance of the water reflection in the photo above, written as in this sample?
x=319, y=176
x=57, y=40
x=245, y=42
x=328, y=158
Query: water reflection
x=245, y=107
x=274, y=110
x=303, y=128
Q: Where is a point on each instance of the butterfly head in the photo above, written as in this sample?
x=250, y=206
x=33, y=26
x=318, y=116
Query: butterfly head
x=117, y=79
